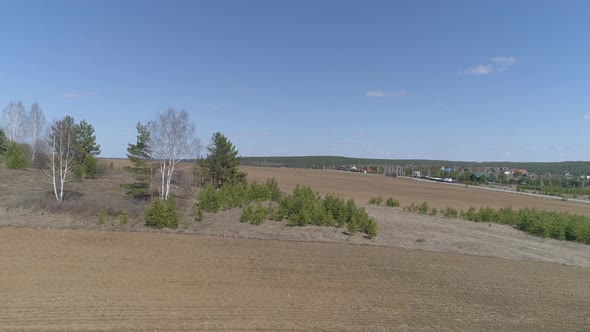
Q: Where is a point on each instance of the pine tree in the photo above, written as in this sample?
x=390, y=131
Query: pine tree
x=222, y=163
x=3, y=141
x=86, y=139
x=88, y=149
x=139, y=154
x=16, y=156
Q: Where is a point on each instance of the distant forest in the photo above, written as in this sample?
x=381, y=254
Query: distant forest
x=573, y=167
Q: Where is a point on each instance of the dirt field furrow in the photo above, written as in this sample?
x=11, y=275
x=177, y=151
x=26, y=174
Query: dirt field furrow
x=83, y=280
x=364, y=186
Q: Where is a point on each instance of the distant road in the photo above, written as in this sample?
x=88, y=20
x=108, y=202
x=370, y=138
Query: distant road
x=500, y=190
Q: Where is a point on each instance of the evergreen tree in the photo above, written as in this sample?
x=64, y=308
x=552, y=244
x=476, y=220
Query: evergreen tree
x=88, y=149
x=16, y=156
x=3, y=141
x=139, y=155
x=222, y=162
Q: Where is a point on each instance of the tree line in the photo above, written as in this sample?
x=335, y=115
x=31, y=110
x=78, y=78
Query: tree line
x=62, y=148
x=67, y=151
x=573, y=167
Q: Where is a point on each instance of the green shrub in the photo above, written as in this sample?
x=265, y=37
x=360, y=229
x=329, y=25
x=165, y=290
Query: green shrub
x=450, y=213
x=359, y=220
x=247, y=214
x=273, y=190
x=392, y=202
x=423, y=209
x=268, y=191
x=376, y=200
x=237, y=194
x=198, y=212
x=90, y=167
x=506, y=216
x=101, y=217
x=350, y=209
x=276, y=212
x=487, y=214
x=549, y=224
x=233, y=195
x=137, y=190
x=208, y=198
x=254, y=214
x=123, y=218
x=352, y=226
x=337, y=208
x=257, y=192
x=371, y=228
x=304, y=207
x=162, y=213
x=16, y=156
x=301, y=207
x=433, y=212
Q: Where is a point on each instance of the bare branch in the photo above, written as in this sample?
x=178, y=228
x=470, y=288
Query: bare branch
x=14, y=121
x=172, y=139
x=36, y=125
x=61, y=155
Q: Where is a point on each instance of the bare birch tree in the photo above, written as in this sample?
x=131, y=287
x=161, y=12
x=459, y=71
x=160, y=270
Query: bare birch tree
x=36, y=124
x=61, y=155
x=172, y=139
x=14, y=121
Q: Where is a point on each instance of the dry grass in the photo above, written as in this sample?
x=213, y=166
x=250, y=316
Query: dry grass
x=30, y=190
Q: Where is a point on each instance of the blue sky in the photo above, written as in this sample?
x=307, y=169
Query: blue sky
x=454, y=80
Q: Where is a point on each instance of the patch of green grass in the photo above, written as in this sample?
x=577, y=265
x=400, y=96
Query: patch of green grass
x=376, y=200
x=392, y=202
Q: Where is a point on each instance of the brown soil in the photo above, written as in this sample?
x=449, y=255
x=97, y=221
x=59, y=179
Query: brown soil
x=364, y=186
x=72, y=277
x=396, y=228
x=85, y=280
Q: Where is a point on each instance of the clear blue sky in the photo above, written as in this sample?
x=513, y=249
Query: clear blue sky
x=460, y=80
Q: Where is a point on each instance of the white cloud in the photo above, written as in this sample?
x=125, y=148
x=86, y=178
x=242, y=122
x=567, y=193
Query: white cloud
x=497, y=64
x=71, y=95
x=503, y=62
x=587, y=117
x=439, y=104
x=376, y=93
x=479, y=70
x=381, y=93
x=401, y=93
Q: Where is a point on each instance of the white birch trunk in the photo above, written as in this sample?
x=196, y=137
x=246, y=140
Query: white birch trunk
x=61, y=159
x=172, y=138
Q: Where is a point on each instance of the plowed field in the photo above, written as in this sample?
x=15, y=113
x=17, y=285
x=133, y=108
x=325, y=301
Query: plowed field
x=440, y=195
x=84, y=280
